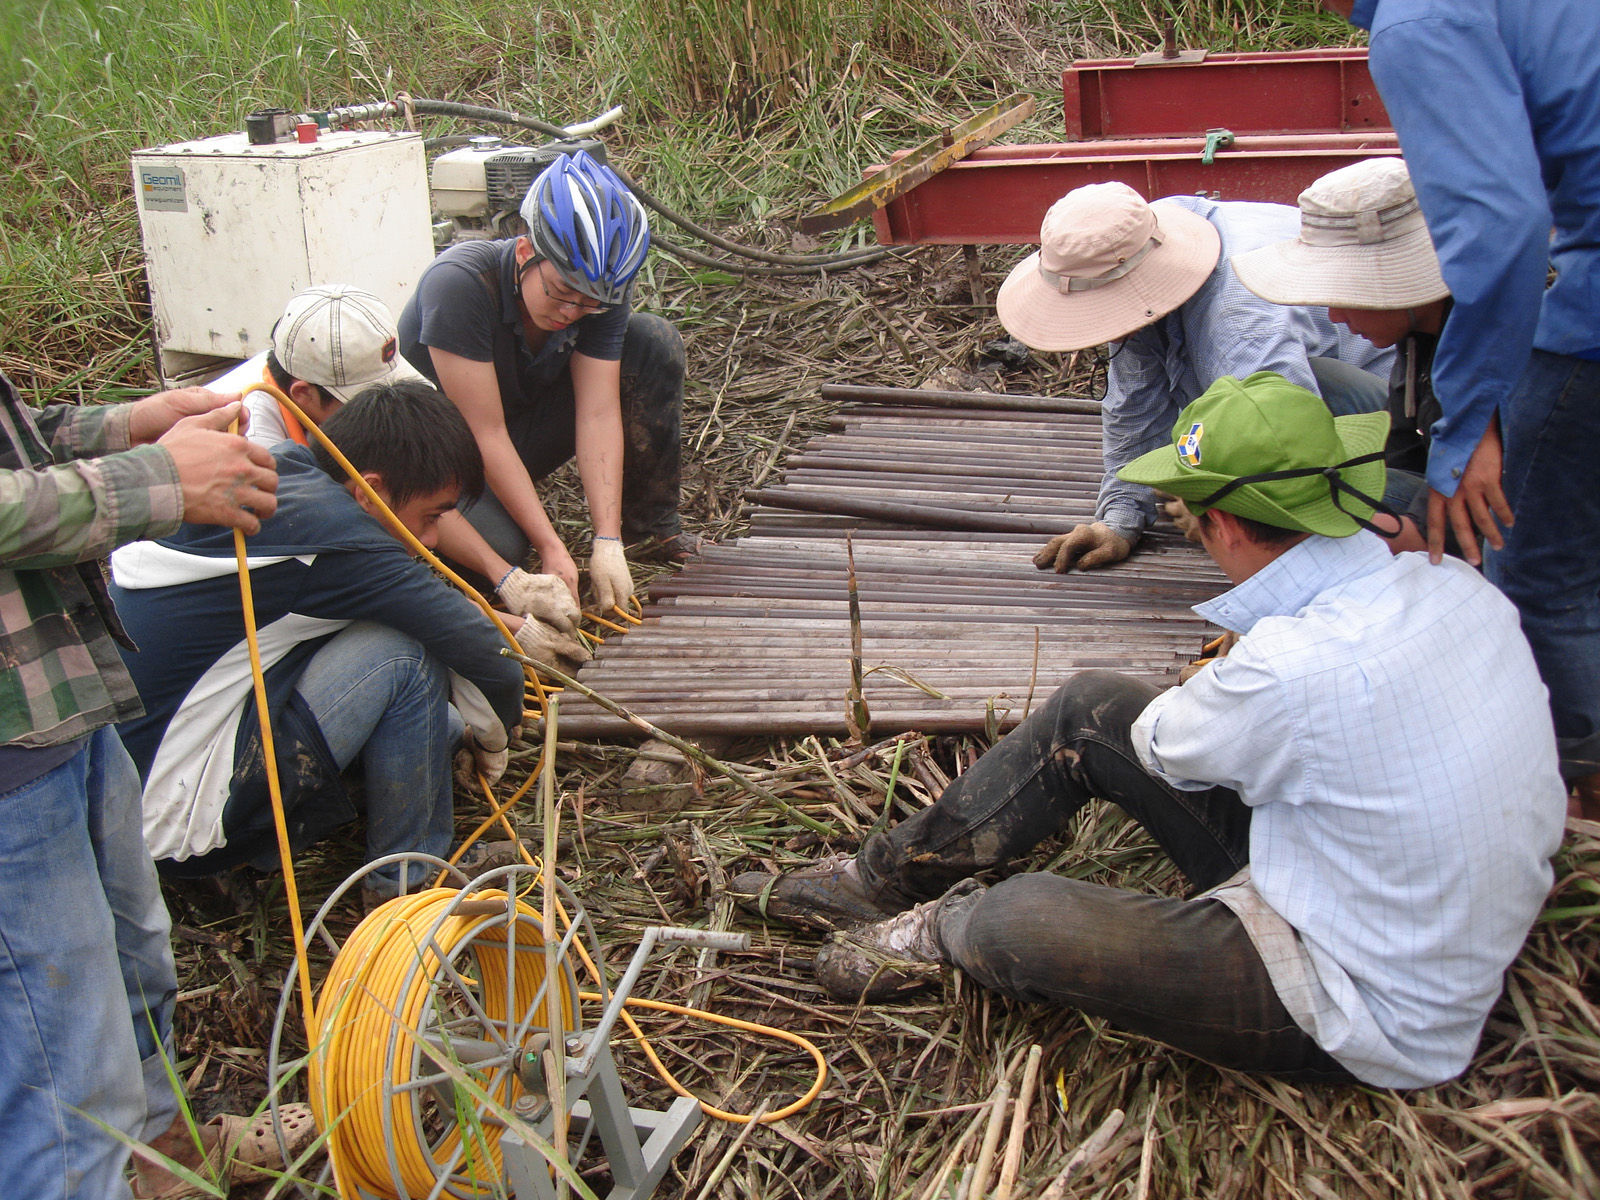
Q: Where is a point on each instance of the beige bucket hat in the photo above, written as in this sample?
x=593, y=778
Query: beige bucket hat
x=1108, y=263
x=1362, y=244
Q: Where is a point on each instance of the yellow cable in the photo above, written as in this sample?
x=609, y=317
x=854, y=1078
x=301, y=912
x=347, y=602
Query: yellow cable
x=361, y=993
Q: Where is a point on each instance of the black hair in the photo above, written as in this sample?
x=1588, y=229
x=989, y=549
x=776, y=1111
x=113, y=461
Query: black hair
x=410, y=435
x=1263, y=534
x=285, y=381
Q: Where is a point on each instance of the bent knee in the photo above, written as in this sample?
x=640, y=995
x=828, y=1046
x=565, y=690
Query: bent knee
x=652, y=342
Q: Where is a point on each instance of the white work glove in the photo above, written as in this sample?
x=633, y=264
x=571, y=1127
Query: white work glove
x=1085, y=547
x=544, y=597
x=1213, y=650
x=473, y=760
x=608, y=575
x=1178, y=513
x=549, y=646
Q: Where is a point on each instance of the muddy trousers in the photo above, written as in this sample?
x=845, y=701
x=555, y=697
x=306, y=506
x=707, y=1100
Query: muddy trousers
x=1183, y=972
x=544, y=431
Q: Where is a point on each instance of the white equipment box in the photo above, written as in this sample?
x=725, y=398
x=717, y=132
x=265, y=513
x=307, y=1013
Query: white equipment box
x=232, y=230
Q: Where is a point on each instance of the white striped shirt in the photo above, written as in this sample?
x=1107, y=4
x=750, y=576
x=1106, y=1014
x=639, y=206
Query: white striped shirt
x=1384, y=720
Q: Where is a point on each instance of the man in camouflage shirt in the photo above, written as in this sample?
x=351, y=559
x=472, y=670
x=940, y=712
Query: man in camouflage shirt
x=83, y=930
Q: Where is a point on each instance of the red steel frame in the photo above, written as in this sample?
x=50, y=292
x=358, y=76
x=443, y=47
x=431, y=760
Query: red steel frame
x=1305, y=91
x=998, y=195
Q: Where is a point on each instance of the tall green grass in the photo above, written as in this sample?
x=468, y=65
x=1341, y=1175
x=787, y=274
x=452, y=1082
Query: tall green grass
x=738, y=110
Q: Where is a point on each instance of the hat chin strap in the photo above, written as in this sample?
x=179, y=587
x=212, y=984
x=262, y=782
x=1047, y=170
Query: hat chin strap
x=1087, y=283
x=1336, y=485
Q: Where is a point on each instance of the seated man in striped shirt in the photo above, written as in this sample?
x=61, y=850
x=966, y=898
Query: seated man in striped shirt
x=1372, y=824
x=1153, y=280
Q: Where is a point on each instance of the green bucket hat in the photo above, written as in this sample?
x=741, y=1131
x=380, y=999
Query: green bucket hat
x=1269, y=450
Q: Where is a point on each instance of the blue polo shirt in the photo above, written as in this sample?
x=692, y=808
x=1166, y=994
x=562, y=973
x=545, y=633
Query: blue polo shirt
x=1497, y=103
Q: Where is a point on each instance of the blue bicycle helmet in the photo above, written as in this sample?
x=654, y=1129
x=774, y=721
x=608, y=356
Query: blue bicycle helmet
x=585, y=220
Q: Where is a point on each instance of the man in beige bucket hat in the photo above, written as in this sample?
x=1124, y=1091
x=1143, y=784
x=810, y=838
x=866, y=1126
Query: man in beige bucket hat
x=1154, y=280
x=1364, y=251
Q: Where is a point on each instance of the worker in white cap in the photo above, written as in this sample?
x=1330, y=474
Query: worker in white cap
x=333, y=342
x=1153, y=280
x=1363, y=251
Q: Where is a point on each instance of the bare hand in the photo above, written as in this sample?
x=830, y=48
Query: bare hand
x=1086, y=547
x=226, y=479
x=1479, y=499
x=154, y=415
x=555, y=560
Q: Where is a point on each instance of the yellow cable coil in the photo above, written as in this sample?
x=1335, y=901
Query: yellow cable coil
x=372, y=1004
x=362, y=987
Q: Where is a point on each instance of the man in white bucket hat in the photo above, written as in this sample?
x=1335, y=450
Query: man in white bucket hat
x=1154, y=280
x=1364, y=252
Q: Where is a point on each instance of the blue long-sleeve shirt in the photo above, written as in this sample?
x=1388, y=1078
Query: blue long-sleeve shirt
x=1223, y=329
x=1497, y=103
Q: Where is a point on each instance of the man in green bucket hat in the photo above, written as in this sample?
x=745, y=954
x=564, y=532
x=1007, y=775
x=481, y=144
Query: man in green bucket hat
x=1364, y=793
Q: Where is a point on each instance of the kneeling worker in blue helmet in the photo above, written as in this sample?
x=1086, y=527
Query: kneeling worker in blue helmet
x=1371, y=821
x=534, y=339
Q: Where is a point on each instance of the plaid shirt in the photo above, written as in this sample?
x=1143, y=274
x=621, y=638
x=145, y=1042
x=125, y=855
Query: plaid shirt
x=61, y=510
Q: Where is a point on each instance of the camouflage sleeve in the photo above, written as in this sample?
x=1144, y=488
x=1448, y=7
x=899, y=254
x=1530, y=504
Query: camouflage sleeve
x=73, y=431
x=52, y=516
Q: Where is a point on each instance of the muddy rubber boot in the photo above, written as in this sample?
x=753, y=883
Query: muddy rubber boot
x=823, y=897
x=891, y=958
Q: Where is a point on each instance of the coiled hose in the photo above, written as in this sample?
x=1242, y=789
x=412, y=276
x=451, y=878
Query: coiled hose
x=375, y=982
x=778, y=263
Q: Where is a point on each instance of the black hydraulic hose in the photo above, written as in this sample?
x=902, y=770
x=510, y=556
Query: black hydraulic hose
x=475, y=112
x=722, y=264
x=797, y=264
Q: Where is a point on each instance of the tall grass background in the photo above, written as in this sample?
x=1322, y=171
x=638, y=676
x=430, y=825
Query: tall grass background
x=738, y=110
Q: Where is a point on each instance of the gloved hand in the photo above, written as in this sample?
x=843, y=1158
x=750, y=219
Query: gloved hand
x=1085, y=547
x=1178, y=513
x=544, y=597
x=550, y=646
x=608, y=575
x=472, y=760
x=1213, y=650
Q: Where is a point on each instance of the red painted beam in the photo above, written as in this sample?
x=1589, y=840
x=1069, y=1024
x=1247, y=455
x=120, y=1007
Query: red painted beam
x=999, y=195
x=1306, y=91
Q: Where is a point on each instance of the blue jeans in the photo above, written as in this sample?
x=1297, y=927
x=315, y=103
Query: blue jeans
x=379, y=697
x=1347, y=390
x=1550, y=567
x=84, y=946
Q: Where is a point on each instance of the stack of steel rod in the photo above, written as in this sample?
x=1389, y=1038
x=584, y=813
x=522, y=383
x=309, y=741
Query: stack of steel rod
x=944, y=507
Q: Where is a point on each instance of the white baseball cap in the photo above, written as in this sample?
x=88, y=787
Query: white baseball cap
x=1363, y=244
x=341, y=338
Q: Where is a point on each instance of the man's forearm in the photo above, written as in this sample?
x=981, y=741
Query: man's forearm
x=54, y=516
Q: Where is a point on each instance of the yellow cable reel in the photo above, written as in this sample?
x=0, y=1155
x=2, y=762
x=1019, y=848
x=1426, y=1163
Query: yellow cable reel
x=428, y=1009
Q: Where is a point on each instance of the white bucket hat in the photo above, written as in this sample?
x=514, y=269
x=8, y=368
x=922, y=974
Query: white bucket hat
x=1108, y=263
x=1363, y=244
x=341, y=338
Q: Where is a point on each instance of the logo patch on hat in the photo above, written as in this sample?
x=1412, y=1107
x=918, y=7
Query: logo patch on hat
x=1189, y=445
x=390, y=349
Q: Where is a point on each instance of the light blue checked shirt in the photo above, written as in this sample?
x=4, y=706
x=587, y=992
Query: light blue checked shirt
x=1384, y=720
x=1223, y=329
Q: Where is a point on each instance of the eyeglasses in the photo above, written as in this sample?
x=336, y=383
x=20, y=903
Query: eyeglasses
x=582, y=306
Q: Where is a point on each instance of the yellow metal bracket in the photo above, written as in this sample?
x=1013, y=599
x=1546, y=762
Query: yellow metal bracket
x=927, y=160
